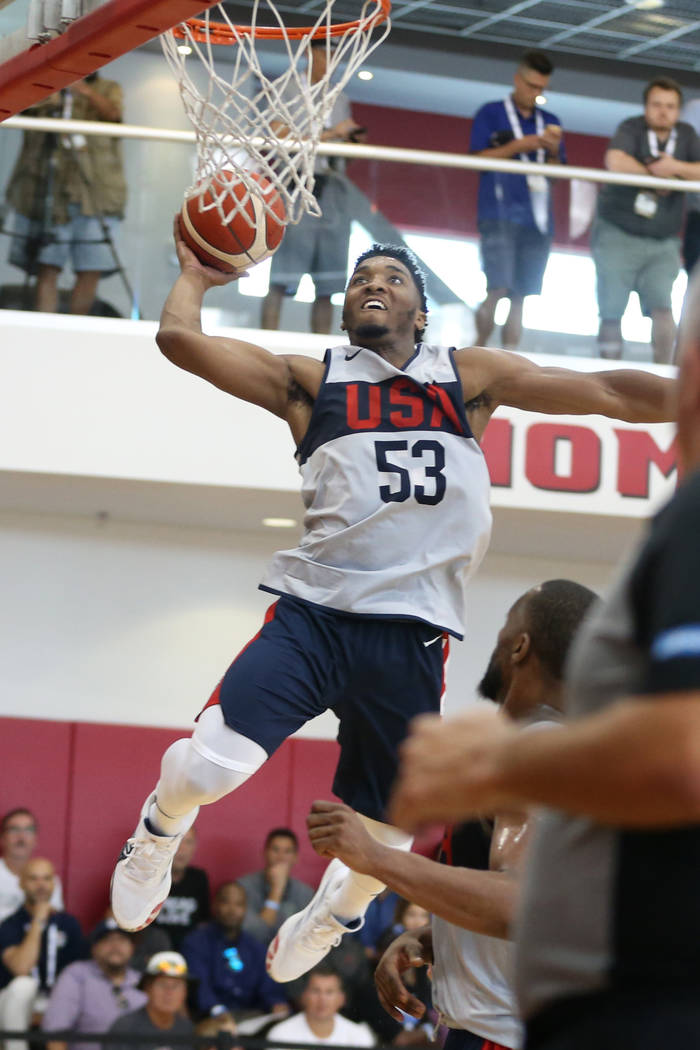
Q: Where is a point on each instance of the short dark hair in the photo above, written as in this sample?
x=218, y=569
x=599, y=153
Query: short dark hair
x=16, y=812
x=666, y=84
x=281, y=833
x=553, y=614
x=226, y=885
x=324, y=969
x=404, y=255
x=538, y=61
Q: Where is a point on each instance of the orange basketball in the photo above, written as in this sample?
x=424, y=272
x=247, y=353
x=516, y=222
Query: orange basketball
x=238, y=244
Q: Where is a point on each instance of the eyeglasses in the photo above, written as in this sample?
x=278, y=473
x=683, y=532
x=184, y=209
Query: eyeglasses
x=18, y=827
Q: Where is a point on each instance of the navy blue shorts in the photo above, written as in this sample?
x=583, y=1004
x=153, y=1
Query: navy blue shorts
x=375, y=674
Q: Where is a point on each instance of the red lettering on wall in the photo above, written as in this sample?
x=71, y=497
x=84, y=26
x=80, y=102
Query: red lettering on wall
x=374, y=408
x=410, y=410
x=540, y=457
x=636, y=451
x=497, y=446
x=443, y=407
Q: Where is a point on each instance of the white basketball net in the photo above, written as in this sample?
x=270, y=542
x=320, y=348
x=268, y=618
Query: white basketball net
x=249, y=121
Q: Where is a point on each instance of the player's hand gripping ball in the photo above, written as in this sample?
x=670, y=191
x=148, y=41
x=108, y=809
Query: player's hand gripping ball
x=238, y=244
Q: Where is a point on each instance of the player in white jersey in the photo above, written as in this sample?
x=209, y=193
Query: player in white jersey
x=387, y=432
x=472, y=890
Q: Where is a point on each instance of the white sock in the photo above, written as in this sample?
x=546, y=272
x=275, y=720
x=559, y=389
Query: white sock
x=213, y=762
x=355, y=894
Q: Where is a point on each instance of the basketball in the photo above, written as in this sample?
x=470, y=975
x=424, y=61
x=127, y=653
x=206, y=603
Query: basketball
x=238, y=243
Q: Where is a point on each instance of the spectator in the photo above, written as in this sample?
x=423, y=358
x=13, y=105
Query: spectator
x=514, y=211
x=187, y=905
x=69, y=193
x=317, y=245
x=230, y=964
x=36, y=943
x=165, y=984
x=320, y=1021
x=90, y=995
x=634, y=241
x=407, y=916
x=273, y=895
x=691, y=238
x=17, y=843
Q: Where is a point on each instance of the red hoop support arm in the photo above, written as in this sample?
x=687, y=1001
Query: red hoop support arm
x=113, y=29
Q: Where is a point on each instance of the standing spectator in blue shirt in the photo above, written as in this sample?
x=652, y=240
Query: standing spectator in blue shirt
x=36, y=943
x=514, y=211
x=230, y=964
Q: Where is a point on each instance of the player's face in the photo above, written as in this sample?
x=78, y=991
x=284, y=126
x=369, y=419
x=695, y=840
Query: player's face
x=381, y=299
x=322, y=997
x=527, y=85
x=662, y=109
x=496, y=681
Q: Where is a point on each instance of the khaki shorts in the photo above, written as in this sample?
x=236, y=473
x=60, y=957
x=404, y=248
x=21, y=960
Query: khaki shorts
x=625, y=263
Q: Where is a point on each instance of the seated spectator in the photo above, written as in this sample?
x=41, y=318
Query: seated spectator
x=147, y=942
x=90, y=995
x=378, y=917
x=36, y=944
x=407, y=916
x=17, y=843
x=230, y=964
x=165, y=984
x=320, y=1021
x=187, y=904
x=273, y=895
x=409, y=1032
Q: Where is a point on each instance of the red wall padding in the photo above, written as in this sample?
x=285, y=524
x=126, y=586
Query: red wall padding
x=86, y=782
x=443, y=200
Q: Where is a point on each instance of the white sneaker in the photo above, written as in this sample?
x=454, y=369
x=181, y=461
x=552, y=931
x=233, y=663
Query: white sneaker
x=307, y=937
x=141, y=879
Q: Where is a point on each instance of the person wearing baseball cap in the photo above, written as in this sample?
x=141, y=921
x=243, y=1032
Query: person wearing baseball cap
x=91, y=994
x=165, y=982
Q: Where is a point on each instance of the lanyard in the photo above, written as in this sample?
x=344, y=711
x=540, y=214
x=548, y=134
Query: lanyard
x=669, y=148
x=517, y=130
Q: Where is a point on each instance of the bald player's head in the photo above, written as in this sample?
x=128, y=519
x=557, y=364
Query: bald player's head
x=37, y=880
x=689, y=377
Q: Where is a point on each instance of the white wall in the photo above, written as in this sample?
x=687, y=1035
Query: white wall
x=122, y=622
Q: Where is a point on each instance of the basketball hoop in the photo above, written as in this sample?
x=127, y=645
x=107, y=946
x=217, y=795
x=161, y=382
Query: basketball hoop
x=270, y=124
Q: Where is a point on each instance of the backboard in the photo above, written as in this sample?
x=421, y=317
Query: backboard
x=45, y=45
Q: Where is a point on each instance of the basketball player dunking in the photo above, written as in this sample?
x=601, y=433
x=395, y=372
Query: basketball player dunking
x=397, y=517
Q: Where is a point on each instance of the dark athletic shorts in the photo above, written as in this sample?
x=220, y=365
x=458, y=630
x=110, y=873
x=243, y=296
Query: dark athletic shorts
x=460, y=1039
x=375, y=674
x=644, y=1018
x=513, y=257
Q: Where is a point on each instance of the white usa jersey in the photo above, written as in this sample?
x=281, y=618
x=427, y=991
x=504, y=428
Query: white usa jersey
x=396, y=492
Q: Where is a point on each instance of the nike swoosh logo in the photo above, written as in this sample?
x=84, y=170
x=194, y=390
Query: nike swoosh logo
x=349, y=357
x=432, y=641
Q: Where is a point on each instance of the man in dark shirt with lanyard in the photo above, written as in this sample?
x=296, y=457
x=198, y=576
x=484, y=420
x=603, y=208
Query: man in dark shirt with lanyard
x=635, y=239
x=610, y=916
x=514, y=211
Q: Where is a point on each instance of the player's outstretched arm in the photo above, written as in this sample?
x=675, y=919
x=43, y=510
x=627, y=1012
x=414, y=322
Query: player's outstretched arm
x=629, y=394
x=635, y=764
x=237, y=367
x=482, y=901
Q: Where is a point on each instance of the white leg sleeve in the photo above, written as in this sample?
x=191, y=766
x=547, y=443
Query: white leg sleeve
x=213, y=762
x=16, y=1007
x=353, y=896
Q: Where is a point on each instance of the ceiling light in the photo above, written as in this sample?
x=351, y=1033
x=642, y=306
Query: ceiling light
x=541, y=100
x=279, y=523
x=649, y=5
x=184, y=49
x=365, y=74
